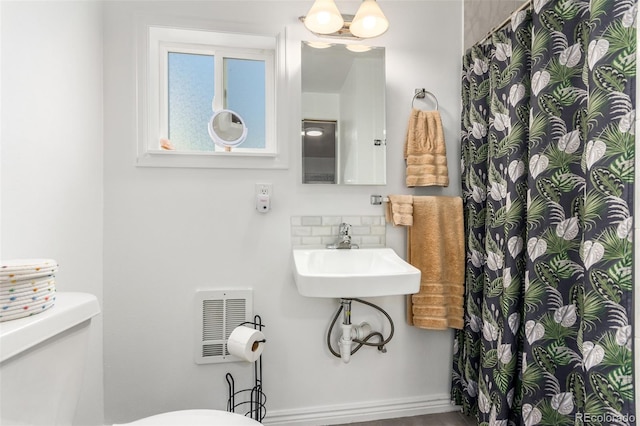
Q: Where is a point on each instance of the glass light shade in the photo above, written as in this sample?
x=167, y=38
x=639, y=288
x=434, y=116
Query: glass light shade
x=369, y=20
x=318, y=44
x=324, y=17
x=358, y=48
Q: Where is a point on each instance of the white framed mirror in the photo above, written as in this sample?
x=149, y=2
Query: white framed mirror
x=345, y=84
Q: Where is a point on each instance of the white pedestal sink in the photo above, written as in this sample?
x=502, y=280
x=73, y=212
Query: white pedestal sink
x=353, y=273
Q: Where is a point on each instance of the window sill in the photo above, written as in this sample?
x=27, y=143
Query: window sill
x=217, y=160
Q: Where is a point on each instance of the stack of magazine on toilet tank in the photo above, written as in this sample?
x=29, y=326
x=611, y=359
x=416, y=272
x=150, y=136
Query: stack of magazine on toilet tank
x=27, y=287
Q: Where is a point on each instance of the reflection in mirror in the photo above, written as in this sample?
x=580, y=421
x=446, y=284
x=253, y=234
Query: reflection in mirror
x=346, y=86
x=227, y=129
x=318, y=151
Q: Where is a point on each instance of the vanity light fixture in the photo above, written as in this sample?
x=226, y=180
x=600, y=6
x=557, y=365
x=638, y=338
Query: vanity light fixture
x=324, y=19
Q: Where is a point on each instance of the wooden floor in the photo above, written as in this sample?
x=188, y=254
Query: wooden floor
x=443, y=419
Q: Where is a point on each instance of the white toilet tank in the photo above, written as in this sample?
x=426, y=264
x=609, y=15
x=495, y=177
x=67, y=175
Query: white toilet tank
x=42, y=361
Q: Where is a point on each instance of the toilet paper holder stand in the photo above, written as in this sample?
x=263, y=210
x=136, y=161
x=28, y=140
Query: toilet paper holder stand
x=251, y=401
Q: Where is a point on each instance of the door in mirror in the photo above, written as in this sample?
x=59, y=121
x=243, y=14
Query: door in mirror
x=319, y=151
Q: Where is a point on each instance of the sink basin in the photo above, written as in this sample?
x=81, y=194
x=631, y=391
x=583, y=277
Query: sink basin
x=353, y=273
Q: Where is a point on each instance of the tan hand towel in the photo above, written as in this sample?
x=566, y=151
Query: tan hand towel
x=436, y=247
x=425, y=150
x=399, y=210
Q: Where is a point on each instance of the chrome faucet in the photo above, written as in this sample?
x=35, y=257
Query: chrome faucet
x=344, y=239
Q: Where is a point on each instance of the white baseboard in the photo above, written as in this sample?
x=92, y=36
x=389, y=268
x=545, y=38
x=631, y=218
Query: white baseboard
x=361, y=412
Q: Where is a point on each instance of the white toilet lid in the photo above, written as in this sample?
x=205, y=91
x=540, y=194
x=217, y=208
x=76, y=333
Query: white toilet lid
x=196, y=418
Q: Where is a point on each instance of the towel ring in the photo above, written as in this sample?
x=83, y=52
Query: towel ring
x=420, y=94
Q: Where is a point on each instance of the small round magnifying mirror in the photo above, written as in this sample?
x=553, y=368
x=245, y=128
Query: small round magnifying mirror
x=227, y=128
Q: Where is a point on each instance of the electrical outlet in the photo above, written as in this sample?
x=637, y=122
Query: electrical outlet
x=263, y=189
x=263, y=197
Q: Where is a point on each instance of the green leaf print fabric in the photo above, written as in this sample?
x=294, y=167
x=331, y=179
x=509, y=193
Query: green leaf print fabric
x=548, y=152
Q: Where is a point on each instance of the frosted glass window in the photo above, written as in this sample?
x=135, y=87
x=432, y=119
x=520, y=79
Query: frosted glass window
x=246, y=94
x=190, y=93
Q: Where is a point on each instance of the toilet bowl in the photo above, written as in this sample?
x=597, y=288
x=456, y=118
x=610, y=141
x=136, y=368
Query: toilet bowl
x=194, y=418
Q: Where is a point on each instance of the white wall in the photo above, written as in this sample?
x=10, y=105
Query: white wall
x=51, y=153
x=349, y=152
x=359, y=104
x=171, y=231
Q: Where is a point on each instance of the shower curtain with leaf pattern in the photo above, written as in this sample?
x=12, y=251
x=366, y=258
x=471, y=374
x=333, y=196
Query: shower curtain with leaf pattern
x=548, y=140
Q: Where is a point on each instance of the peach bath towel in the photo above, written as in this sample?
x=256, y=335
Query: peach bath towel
x=399, y=210
x=425, y=150
x=436, y=246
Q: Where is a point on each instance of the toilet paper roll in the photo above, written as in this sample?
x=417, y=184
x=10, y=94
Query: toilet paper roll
x=246, y=343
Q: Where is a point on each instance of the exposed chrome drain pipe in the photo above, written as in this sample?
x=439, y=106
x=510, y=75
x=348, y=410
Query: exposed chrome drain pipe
x=359, y=334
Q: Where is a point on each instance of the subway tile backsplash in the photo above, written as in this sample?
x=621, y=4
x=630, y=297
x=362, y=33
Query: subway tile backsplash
x=366, y=231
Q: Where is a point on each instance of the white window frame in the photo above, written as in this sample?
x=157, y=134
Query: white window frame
x=155, y=40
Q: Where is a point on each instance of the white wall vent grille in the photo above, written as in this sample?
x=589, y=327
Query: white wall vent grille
x=218, y=313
